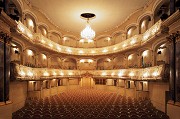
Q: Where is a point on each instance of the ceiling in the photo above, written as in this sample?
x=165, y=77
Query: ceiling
x=109, y=13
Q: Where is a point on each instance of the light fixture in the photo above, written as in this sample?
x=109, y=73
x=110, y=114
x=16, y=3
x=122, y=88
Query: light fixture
x=88, y=33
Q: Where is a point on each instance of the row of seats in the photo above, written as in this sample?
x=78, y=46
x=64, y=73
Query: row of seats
x=88, y=104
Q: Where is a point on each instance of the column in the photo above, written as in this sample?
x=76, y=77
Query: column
x=4, y=66
x=174, y=81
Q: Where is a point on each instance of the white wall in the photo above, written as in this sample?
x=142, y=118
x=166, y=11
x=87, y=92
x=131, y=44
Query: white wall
x=17, y=95
x=157, y=94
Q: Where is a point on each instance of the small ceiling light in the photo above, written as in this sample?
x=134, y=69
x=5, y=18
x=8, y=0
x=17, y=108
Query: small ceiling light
x=88, y=32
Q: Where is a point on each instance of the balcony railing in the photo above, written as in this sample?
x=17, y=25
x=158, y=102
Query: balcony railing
x=135, y=41
x=27, y=73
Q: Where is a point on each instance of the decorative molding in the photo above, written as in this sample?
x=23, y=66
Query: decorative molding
x=27, y=73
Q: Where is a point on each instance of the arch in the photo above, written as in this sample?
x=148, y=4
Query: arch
x=141, y=50
x=71, y=36
x=156, y=9
x=131, y=25
x=26, y=11
x=55, y=55
x=156, y=4
x=45, y=53
x=103, y=57
x=43, y=29
x=19, y=5
x=102, y=36
x=116, y=32
x=16, y=52
x=31, y=48
x=22, y=44
x=42, y=24
x=147, y=13
x=55, y=31
x=157, y=43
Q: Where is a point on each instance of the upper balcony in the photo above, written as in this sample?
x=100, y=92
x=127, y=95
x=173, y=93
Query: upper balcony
x=130, y=43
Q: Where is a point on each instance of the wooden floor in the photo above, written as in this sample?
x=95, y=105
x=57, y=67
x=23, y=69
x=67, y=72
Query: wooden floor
x=88, y=104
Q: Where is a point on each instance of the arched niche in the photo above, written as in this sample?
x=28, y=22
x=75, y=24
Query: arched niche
x=103, y=41
x=145, y=24
x=30, y=22
x=146, y=58
x=29, y=58
x=104, y=64
x=42, y=60
x=69, y=63
x=55, y=37
x=133, y=60
x=131, y=31
x=69, y=41
x=86, y=44
x=43, y=30
x=86, y=64
x=162, y=11
x=54, y=62
x=16, y=53
x=120, y=62
x=162, y=54
x=119, y=37
x=14, y=10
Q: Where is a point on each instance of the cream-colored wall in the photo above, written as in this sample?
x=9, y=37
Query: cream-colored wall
x=157, y=94
x=73, y=81
x=164, y=56
x=173, y=111
x=119, y=38
x=130, y=92
x=102, y=42
x=110, y=82
x=6, y=111
x=70, y=42
x=18, y=94
x=15, y=56
x=133, y=60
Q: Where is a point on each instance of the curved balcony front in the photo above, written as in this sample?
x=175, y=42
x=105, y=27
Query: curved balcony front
x=130, y=43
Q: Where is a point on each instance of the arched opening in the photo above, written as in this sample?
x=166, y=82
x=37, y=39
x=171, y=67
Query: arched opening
x=131, y=31
x=145, y=24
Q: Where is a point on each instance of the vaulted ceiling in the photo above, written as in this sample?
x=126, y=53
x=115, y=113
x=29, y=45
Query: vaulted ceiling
x=109, y=13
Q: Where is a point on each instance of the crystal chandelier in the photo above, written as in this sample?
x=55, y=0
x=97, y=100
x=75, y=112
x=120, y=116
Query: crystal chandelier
x=88, y=33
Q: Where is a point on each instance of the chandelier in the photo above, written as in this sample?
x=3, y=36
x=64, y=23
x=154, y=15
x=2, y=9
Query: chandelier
x=88, y=33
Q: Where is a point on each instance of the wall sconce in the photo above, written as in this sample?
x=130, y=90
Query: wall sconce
x=159, y=52
x=16, y=51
